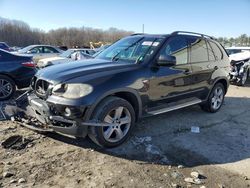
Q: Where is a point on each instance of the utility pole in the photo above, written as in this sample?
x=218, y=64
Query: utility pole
x=142, y=28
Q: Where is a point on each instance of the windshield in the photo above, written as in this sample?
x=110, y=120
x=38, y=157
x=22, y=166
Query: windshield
x=131, y=49
x=67, y=53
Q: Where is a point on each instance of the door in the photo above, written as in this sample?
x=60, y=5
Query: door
x=168, y=84
x=202, y=61
x=49, y=52
x=36, y=52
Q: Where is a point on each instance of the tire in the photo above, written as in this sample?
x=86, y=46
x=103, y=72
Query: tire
x=244, y=78
x=112, y=136
x=7, y=87
x=210, y=105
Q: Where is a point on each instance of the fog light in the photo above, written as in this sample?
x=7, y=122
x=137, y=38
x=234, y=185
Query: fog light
x=67, y=112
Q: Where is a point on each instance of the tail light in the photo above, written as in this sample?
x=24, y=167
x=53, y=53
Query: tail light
x=28, y=64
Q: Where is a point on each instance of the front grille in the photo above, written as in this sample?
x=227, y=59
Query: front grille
x=41, y=87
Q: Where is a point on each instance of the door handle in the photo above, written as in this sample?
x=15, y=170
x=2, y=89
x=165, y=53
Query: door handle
x=187, y=72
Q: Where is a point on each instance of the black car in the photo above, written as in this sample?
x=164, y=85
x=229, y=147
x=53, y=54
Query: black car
x=138, y=76
x=15, y=71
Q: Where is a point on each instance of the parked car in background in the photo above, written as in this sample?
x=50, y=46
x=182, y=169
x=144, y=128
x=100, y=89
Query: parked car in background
x=15, y=71
x=234, y=50
x=138, y=76
x=4, y=46
x=65, y=57
x=40, y=51
x=240, y=64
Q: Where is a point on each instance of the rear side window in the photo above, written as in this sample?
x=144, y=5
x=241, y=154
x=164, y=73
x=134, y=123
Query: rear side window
x=211, y=55
x=176, y=46
x=50, y=50
x=198, y=50
x=216, y=49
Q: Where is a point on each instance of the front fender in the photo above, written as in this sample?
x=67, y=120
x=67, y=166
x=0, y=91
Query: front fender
x=92, y=107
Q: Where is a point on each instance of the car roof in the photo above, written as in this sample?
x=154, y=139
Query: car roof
x=150, y=35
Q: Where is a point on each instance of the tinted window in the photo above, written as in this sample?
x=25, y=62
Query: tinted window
x=198, y=50
x=216, y=49
x=176, y=46
x=211, y=55
x=50, y=50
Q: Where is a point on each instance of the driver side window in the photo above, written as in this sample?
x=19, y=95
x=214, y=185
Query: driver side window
x=177, y=47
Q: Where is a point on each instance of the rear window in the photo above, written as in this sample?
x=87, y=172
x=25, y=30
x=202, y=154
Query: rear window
x=216, y=49
x=198, y=52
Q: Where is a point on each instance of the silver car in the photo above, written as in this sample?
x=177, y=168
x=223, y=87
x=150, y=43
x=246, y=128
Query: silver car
x=67, y=56
x=40, y=51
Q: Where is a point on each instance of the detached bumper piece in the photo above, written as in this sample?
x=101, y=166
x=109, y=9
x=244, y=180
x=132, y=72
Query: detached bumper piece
x=57, y=123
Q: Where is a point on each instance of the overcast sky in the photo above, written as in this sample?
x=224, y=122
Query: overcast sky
x=213, y=17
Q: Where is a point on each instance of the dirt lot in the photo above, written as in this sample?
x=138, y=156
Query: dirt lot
x=161, y=152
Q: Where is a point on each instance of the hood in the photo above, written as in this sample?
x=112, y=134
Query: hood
x=240, y=56
x=63, y=72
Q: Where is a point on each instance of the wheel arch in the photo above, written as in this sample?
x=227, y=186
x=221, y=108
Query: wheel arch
x=127, y=94
x=224, y=81
x=11, y=77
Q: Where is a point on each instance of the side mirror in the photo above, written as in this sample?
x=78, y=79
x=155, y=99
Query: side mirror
x=28, y=52
x=166, y=60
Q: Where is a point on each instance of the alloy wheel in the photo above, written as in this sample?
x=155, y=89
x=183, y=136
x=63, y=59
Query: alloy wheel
x=217, y=99
x=120, y=122
x=6, y=89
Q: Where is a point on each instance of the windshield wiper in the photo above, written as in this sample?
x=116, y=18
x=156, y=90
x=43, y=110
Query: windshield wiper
x=115, y=57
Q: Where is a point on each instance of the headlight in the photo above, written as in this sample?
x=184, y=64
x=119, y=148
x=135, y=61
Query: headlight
x=72, y=91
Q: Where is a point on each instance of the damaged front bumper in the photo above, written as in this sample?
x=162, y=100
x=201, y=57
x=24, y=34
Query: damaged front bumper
x=45, y=113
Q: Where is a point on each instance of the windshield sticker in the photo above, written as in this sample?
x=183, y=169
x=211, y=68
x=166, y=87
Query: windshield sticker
x=150, y=43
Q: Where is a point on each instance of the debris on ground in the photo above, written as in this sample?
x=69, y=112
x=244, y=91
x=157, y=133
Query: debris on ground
x=195, y=129
x=195, y=174
x=7, y=174
x=21, y=180
x=16, y=142
x=195, y=181
x=180, y=166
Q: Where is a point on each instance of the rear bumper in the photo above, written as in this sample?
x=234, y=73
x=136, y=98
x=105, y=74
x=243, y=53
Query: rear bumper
x=58, y=123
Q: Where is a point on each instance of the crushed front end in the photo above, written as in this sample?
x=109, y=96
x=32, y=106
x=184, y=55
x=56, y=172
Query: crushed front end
x=58, y=114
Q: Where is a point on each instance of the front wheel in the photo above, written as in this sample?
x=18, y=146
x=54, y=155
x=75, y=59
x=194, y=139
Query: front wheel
x=244, y=78
x=215, y=99
x=120, y=114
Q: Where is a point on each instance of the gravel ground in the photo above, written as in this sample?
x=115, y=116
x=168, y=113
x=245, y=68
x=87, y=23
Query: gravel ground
x=162, y=152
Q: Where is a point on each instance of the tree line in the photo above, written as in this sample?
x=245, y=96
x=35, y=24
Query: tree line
x=19, y=33
x=242, y=40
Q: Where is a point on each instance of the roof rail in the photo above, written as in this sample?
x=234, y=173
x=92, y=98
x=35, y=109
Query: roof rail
x=187, y=32
x=137, y=34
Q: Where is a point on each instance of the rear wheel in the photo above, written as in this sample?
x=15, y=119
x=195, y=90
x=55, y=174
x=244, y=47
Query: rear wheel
x=215, y=99
x=7, y=87
x=120, y=115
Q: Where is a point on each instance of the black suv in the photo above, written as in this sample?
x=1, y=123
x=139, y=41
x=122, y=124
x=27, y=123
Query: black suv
x=138, y=76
